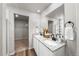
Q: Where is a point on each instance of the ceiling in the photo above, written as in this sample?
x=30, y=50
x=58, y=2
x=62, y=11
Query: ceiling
x=33, y=7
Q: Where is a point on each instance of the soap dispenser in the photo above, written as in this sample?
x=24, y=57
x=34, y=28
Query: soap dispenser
x=53, y=37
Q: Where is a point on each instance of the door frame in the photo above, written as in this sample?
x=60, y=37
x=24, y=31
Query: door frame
x=14, y=28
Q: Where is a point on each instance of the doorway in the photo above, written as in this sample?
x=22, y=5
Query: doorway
x=21, y=34
x=50, y=26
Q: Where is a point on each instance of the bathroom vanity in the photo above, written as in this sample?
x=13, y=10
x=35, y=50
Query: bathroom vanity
x=47, y=47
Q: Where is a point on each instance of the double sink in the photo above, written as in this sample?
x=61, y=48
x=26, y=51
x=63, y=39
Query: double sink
x=48, y=41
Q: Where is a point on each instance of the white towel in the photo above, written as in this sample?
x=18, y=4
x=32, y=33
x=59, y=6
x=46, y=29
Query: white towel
x=69, y=33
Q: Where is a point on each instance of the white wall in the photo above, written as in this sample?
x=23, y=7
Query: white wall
x=34, y=20
x=70, y=15
x=21, y=30
x=0, y=29
x=77, y=28
x=9, y=32
x=43, y=22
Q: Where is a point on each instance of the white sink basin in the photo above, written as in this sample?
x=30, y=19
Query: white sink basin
x=38, y=36
x=47, y=41
x=50, y=42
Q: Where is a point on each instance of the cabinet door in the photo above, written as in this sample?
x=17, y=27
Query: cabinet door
x=35, y=45
x=37, y=48
x=60, y=52
x=44, y=51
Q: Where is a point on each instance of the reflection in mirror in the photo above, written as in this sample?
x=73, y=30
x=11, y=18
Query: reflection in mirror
x=50, y=26
x=56, y=26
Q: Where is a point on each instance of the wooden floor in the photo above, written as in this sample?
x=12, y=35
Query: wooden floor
x=21, y=45
x=30, y=52
x=21, y=48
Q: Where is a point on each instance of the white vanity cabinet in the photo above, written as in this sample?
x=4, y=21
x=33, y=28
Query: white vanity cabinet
x=60, y=51
x=35, y=45
x=42, y=50
x=45, y=51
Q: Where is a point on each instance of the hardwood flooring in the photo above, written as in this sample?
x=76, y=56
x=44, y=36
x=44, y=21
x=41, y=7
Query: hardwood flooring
x=27, y=52
x=31, y=52
x=21, y=45
x=21, y=48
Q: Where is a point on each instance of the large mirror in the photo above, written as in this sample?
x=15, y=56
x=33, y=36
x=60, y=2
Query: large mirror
x=57, y=21
x=54, y=21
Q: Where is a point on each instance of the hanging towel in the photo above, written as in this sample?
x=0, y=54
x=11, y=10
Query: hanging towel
x=69, y=33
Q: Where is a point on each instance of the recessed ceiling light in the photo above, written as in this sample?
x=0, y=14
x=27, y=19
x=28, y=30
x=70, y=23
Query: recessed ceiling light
x=38, y=11
x=17, y=15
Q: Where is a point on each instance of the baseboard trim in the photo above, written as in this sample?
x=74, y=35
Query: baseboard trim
x=30, y=48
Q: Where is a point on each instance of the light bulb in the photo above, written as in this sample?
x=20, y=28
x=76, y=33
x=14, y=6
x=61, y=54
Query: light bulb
x=38, y=11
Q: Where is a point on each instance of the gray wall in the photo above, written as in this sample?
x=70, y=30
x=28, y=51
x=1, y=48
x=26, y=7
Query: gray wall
x=21, y=30
x=0, y=29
